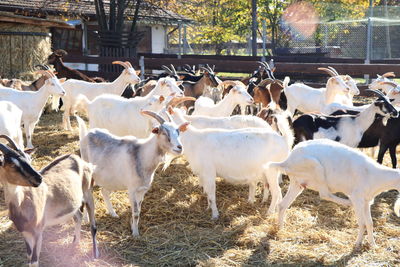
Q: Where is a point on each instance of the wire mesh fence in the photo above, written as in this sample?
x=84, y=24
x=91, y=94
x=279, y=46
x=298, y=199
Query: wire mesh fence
x=378, y=28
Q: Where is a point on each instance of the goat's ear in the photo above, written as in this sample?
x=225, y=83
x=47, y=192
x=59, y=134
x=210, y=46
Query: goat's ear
x=273, y=69
x=137, y=72
x=181, y=77
x=171, y=110
x=183, y=126
x=156, y=130
x=30, y=151
x=179, y=83
x=62, y=80
x=161, y=98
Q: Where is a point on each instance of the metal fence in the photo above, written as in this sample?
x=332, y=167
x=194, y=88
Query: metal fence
x=344, y=38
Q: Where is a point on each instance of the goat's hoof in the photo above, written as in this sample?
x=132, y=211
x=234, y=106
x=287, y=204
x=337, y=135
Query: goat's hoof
x=114, y=215
x=215, y=217
x=251, y=201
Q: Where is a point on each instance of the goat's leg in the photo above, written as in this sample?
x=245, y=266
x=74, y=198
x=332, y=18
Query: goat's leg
x=136, y=198
x=252, y=192
x=382, y=151
x=392, y=151
x=110, y=209
x=272, y=178
x=293, y=192
x=30, y=243
x=209, y=187
x=78, y=222
x=358, y=209
x=31, y=128
x=89, y=204
x=34, y=262
x=66, y=118
x=369, y=223
x=243, y=109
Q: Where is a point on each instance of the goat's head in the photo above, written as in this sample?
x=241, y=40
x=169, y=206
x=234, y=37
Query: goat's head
x=170, y=72
x=261, y=92
x=211, y=78
x=384, y=107
x=167, y=133
x=382, y=82
x=338, y=82
x=241, y=95
x=15, y=167
x=169, y=85
x=129, y=73
x=53, y=84
x=56, y=55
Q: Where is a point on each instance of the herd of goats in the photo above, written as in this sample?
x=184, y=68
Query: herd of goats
x=308, y=134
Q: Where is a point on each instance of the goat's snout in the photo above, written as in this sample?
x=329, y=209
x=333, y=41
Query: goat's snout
x=178, y=149
x=394, y=114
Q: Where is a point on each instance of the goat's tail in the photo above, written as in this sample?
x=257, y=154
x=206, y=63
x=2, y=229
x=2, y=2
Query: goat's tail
x=282, y=122
x=82, y=128
x=279, y=167
x=82, y=103
x=286, y=82
x=397, y=207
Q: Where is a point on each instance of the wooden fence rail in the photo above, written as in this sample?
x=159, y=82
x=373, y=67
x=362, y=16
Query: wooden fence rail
x=297, y=67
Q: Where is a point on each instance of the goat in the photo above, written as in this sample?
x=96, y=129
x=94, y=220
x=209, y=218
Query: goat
x=91, y=90
x=128, y=163
x=63, y=71
x=346, y=129
x=32, y=103
x=37, y=200
x=329, y=167
x=196, y=89
x=122, y=116
x=269, y=92
x=379, y=83
x=232, y=122
x=10, y=122
x=236, y=96
x=238, y=156
x=307, y=99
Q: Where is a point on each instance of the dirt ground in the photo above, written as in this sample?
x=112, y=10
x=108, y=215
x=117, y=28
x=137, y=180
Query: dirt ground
x=176, y=229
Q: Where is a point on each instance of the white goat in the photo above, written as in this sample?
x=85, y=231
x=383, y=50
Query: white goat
x=74, y=88
x=238, y=156
x=238, y=95
x=127, y=163
x=32, y=103
x=10, y=122
x=329, y=167
x=121, y=116
x=35, y=203
x=232, y=122
x=382, y=82
x=307, y=99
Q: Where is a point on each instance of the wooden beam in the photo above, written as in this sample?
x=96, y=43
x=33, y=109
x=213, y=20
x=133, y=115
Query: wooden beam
x=35, y=21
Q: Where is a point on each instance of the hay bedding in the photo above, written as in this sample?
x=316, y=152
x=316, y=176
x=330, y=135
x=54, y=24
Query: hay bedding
x=176, y=229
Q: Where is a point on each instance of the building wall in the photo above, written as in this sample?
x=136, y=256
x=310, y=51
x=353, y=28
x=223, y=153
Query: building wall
x=158, y=39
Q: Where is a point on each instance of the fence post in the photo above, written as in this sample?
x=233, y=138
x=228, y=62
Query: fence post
x=180, y=40
x=141, y=64
x=264, y=39
x=369, y=39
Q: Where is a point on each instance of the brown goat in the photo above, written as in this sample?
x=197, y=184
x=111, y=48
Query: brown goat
x=268, y=91
x=65, y=72
x=24, y=86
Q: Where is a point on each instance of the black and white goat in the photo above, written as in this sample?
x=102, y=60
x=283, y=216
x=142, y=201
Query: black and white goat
x=346, y=129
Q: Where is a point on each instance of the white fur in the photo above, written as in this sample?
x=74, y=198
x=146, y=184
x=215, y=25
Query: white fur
x=329, y=167
x=91, y=90
x=10, y=122
x=238, y=156
x=32, y=103
x=236, y=96
x=122, y=116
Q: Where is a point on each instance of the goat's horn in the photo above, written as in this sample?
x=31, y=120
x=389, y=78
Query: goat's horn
x=154, y=115
x=173, y=69
x=334, y=71
x=10, y=141
x=329, y=71
x=46, y=73
x=123, y=64
x=390, y=83
x=210, y=70
x=177, y=100
x=389, y=74
x=379, y=93
x=166, y=69
x=129, y=64
x=42, y=66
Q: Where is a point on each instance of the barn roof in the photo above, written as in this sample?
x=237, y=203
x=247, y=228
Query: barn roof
x=148, y=12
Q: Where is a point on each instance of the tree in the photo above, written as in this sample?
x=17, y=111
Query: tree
x=111, y=26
